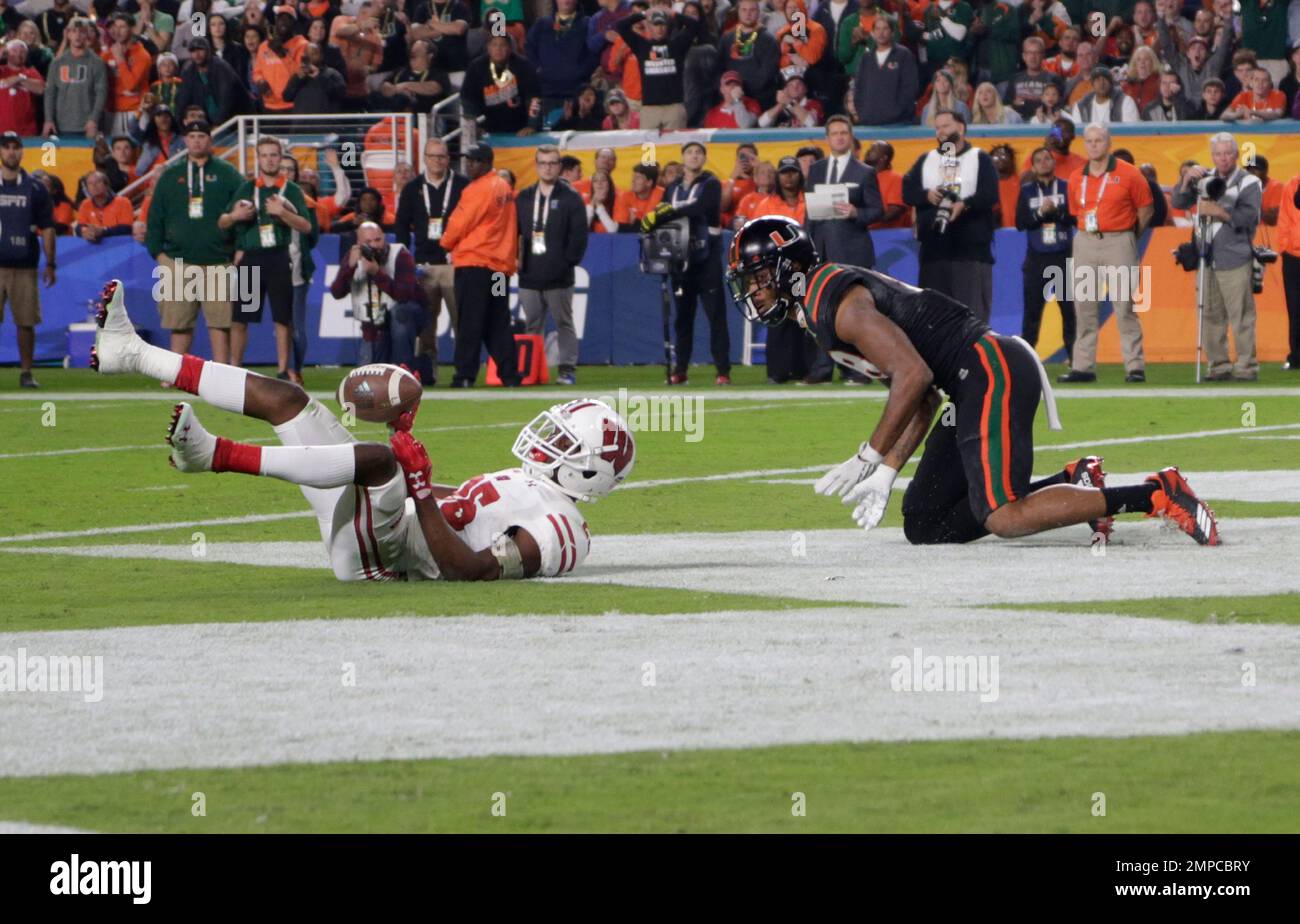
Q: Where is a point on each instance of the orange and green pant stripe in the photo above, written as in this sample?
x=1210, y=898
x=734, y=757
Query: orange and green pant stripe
x=995, y=423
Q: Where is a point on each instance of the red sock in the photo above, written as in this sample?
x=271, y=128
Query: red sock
x=191, y=369
x=231, y=456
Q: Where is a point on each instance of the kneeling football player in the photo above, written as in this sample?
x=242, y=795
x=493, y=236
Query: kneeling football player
x=380, y=515
x=973, y=478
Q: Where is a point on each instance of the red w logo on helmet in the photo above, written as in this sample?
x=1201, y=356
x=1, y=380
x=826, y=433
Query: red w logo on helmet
x=618, y=447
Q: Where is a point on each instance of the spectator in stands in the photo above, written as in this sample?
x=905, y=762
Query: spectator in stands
x=165, y=89
x=316, y=89
x=1080, y=85
x=854, y=30
x=793, y=107
x=77, y=89
x=1261, y=103
x=661, y=62
x=422, y=212
x=1271, y=198
x=582, y=114
x=802, y=40
x=601, y=36
x=599, y=201
x=226, y=45
x=1290, y=84
x=1243, y=66
x=27, y=216
x=416, y=87
x=1214, y=101
x=54, y=21
x=748, y=205
x=995, y=33
x=116, y=159
x=942, y=96
x=1288, y=245
x=482, y=237
x=362, y=44
x=553, y=225
x=944, y=25
x=102, y=213
x=741, y=181
x=1065, y=63
x=1111, y=203
x=886, y=83
x=807, y=155
x=38, y=56
x=1025, y=91
x=188, y=199
x=1228, y=296
x=1264, y=31
x=1143, y=80
x=502, y=88
x=1049, y=107
x=263, y=215
x=735, y=110
x=1103, y=105
x=129, y=64
x=1160, y=205
x=697, y=196
x=1043, y=212
x=671, y=173
x=557, y=44
x=21, y=88
x=65, y=214
x=1172, y=106
x=606, y=160
x=956, y=255
x=753, y=53
x=379, y=280
x=252, y=37
x=446, y=26
x=620, y=115
x=989, y=109
x=639, y=200
x=370, y=207
x=897, y=213
x=210, y=83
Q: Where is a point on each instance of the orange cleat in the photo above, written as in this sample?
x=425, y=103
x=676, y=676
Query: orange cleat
x=1174, y=500
x=1088, y=473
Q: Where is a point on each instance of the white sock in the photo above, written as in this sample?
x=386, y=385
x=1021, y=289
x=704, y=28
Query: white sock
x=223, y=386
x=312, y=466
x=160, y=364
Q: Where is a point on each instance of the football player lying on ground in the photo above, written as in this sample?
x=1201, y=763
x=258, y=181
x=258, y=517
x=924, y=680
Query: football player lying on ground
x=515, y=523
x=973, y=478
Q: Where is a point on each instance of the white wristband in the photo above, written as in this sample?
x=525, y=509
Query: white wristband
x=869, y=455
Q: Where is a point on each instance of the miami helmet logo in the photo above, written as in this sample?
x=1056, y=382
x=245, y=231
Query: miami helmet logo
x=777, y=239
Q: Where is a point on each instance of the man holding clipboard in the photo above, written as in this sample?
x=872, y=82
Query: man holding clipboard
x=855, y=203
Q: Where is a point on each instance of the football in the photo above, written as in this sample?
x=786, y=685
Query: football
x=379, y=393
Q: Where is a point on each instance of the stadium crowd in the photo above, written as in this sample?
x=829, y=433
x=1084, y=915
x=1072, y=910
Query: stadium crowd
x=138, y=75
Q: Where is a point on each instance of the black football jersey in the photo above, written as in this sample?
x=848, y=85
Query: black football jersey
x=940, y=328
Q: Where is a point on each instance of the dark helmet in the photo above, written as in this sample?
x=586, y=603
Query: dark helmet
x=779, y=245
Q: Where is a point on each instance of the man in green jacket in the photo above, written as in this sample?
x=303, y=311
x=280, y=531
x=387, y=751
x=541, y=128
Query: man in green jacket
x=264, y=214
x=192, y=250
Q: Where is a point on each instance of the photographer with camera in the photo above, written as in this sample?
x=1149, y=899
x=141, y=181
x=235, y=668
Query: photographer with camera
x=379, y=279
x=954, y=189
x=1228, y=201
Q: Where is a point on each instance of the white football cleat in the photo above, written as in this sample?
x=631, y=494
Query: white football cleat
x=192, y=446
x=116, y=343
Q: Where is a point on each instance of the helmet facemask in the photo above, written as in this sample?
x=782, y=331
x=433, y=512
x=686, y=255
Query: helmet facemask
x=777, y=275
x=552, y=451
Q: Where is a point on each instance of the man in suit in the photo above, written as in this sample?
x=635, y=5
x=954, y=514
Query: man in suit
x=844, y=239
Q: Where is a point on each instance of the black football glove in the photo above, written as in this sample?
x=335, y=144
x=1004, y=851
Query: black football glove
x=663, y=212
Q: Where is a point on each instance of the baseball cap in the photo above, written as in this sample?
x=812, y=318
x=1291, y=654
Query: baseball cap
x=1101, y=71
x=693, y=144
x=658, y=18
x=7, y=138
x=481, y=152
x=1197, y=38
x=198, y=125
x=732, y=77
x=613, y=94
x=286, y=9
x=789, y=163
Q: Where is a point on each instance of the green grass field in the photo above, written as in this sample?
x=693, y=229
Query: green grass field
x=83, y=466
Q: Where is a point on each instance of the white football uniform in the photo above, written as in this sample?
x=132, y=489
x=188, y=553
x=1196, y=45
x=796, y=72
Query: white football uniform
x=373, y=534
x=488, y=505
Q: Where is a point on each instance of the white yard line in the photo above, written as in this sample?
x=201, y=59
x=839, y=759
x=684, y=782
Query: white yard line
x=774, y=393
x=152, y=527
x=225, y=695
x=23, y=827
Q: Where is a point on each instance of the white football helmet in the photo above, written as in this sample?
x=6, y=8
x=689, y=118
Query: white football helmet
x=583, y=447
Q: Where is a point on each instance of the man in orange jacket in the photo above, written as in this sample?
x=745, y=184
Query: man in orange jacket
x=481, y=240
x=1288, y=244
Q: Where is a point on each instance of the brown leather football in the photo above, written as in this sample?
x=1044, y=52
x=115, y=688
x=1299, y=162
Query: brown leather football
x=379, y=393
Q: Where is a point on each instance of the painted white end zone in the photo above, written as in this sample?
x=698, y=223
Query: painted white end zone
x=23, y=827
x=264, y=693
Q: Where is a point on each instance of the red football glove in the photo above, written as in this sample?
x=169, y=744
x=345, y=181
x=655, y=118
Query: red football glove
x=414, y=460
x=405, y=421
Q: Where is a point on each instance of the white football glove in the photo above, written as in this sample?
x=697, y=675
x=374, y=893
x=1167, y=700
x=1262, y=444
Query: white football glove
x=872, y=496
x=847, y=474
